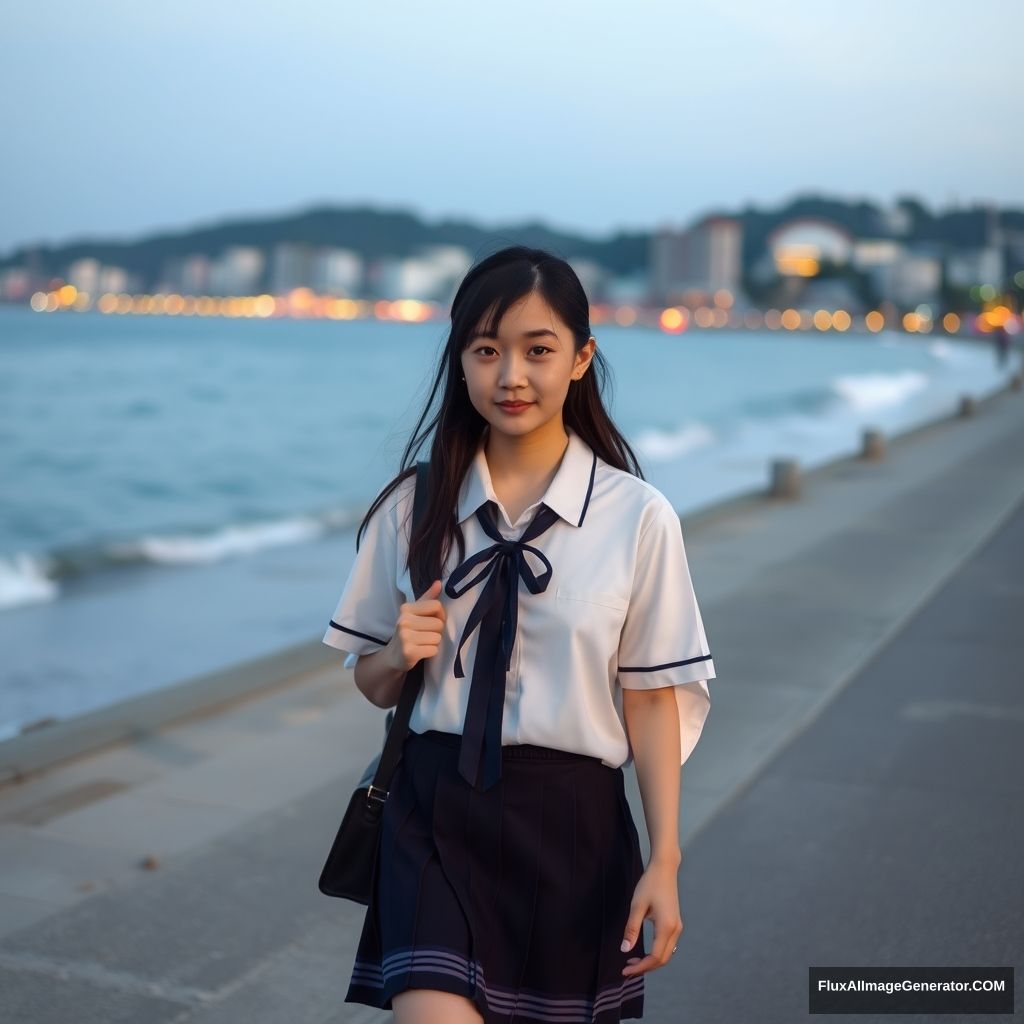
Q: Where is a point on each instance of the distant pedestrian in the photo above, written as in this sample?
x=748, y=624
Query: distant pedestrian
x=1001, y=340
x=511, y=881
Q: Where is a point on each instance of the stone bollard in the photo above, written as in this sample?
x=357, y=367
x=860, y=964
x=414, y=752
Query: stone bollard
x=785, y=478
x=967, y=405
x=872, y=444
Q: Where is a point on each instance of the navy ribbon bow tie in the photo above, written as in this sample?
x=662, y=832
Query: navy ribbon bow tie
x=497, y=613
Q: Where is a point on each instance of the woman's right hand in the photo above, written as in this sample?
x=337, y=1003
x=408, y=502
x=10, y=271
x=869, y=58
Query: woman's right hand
x=418, y=630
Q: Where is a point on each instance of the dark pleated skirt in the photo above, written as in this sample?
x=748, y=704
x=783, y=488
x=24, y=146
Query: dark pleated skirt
x=516, y=898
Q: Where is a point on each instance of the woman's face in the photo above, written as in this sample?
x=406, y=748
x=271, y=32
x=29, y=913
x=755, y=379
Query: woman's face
x=531, y=360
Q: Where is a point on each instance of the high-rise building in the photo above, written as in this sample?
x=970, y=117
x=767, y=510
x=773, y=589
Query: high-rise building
x=705, y=257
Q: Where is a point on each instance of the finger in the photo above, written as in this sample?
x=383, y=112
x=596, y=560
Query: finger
x=649, y=963
x=428, y=639
x=424, y=623
x=633, y=925
x=425, y=607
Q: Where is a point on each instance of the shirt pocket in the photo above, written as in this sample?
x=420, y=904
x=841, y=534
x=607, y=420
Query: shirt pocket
x=599, y=597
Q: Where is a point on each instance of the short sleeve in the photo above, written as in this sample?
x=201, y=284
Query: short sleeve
x=662, y=642
x=367, y=611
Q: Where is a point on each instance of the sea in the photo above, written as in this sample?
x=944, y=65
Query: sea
x=180, y=494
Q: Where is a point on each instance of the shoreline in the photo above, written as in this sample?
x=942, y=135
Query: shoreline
x=212, y=693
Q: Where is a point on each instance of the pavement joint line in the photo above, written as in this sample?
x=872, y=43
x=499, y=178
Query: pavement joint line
x=123, y=981
x=94, y=974
x=820, y=703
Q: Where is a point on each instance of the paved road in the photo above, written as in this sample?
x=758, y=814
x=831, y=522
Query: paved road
x=889, y=832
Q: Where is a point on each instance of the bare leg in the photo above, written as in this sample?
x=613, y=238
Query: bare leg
x=430, y=1006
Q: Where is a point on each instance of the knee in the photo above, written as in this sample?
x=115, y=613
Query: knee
x=429, y=1006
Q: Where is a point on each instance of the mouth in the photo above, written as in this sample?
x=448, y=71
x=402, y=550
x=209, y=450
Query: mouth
x=514, y=405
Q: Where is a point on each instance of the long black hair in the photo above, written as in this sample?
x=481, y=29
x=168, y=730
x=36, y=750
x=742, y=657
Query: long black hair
x=489, y=288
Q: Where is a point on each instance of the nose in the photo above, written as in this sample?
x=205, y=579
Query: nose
x=511, y=374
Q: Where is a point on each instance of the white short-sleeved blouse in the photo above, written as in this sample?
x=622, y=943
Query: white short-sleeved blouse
x=619, y=610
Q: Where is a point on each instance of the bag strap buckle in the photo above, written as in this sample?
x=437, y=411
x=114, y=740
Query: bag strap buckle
x=370, y=793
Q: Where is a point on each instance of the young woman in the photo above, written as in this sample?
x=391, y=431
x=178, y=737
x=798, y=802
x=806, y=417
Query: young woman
x=562, y=641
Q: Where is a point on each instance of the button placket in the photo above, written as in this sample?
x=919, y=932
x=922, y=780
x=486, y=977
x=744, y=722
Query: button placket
x=514, y=678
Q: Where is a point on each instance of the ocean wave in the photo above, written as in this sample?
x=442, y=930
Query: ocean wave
x=236, y=539
x=30, y=578
x=878, y=390
x=664, y=445
x=25, y=579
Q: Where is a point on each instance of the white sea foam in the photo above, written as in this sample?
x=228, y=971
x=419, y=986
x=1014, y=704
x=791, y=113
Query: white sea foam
x=191, y=549
x=23, y=580
x=665, y=445
x=878, y=390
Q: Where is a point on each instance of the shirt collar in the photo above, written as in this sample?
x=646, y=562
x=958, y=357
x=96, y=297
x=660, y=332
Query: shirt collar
x=568, y=494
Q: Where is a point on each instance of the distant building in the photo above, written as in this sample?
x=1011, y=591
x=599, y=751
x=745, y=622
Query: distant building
x=117, y=280
x=968, y=267
x=799, y=247
x=337, y=272
x=705, y=257
x=592, y=276
x=831, y=293
x=292, y=267
x=16, y=284
x=875, y=252
x=430, y=277
x=631, y=289
x=237, y=271
x=84, y=274
x=916, y=276
x=195, y=275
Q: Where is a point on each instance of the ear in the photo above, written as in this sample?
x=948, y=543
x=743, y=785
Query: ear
x=585, y=354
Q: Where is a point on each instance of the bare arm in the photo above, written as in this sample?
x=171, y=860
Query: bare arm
x=653, y=728
x=378, y=679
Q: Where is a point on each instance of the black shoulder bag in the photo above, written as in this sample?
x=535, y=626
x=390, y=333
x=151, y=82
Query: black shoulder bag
x=352, y=862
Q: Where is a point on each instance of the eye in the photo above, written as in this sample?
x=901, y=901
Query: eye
x=481, y=349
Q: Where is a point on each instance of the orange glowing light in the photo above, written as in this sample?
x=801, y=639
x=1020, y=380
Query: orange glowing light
x=874, y=321
x=672, y=320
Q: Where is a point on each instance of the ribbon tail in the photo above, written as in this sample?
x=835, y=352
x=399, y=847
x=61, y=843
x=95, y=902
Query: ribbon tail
x=481, y=733
x=492, y=734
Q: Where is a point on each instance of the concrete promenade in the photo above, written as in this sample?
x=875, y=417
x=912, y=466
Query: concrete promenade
x=854, y=798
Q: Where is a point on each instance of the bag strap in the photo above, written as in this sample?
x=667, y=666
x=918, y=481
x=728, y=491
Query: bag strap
x=398, y=719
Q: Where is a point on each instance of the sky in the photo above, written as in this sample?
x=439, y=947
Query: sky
x=121, y=118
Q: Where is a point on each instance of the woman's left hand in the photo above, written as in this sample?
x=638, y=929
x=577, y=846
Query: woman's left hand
x=656, y=897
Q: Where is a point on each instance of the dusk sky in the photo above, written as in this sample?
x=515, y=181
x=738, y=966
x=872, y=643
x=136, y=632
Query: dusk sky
x=120, y=118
